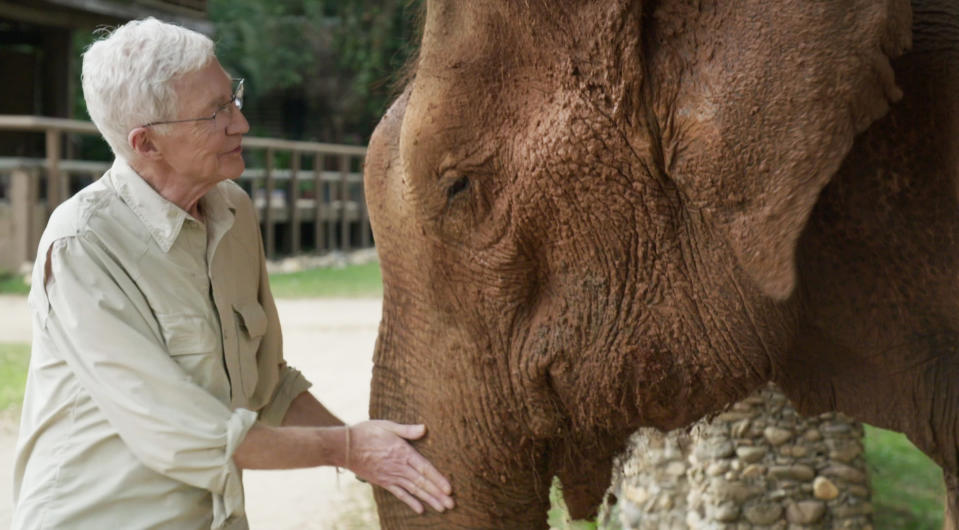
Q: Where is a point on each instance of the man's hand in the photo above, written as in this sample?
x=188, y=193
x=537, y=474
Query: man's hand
x=380, y=454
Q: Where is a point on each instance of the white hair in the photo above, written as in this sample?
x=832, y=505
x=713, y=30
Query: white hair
x=128, y=76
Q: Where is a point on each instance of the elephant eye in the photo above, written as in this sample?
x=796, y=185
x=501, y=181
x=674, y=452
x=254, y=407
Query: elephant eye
x=456, y=187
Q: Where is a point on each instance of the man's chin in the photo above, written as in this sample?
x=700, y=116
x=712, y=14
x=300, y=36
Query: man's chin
x=233, y=171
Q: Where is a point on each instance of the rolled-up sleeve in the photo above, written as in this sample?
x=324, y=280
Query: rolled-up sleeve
x=103, y=329
x=292, y=384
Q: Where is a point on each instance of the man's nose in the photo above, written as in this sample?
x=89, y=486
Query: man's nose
x=238, y=125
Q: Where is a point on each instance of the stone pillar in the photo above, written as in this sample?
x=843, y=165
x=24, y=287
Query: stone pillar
x=758, y=465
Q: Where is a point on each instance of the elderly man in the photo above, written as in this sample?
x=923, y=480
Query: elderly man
x=157, y=371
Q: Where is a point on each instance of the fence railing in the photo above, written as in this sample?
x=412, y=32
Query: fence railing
x=311, y=202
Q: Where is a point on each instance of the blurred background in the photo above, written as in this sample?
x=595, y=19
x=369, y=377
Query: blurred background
x=319, y=70
x=319, y=74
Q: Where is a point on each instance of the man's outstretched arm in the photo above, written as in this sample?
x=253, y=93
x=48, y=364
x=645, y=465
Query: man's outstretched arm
x=377, y=451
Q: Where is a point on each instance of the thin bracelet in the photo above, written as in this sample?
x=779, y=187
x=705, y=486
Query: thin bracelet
x=347, y=466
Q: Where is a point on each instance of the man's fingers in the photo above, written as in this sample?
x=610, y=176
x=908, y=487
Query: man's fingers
x=426, y=469
x=427, y=491
x=419, y=479
x=410, y=432
x=433, y=490
x=402, y=495
x=422, y=493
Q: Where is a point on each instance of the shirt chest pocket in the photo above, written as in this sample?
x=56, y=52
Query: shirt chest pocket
x=250, y=327
x=193, y=343
x=187, y=334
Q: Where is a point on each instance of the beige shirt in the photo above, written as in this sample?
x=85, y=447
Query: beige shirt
x=156, y=347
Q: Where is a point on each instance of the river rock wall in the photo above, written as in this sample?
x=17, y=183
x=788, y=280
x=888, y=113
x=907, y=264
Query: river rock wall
x=758, y=465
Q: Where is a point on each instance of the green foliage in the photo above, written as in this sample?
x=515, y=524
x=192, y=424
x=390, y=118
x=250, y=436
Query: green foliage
x=375, y=41
x=908, y=489
x=272, y=44
x=11, y=283
x=355, y=281
x=14, y=359
x=326, y=65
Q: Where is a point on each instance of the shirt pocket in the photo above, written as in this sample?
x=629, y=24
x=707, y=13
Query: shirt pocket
x=187, y=334
x=193, y=343
x=251, y=325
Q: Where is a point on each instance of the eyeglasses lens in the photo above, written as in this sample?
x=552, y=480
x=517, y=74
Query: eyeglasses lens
x=238, y=95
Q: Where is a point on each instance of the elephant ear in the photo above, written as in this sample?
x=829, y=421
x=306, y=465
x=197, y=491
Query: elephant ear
x=767, y=98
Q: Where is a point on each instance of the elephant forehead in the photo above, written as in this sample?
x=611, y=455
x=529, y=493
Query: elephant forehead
x=494, y=71
x=461, y=100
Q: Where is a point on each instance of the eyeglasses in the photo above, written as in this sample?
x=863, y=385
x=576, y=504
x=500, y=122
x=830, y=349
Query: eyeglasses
x=224, y=112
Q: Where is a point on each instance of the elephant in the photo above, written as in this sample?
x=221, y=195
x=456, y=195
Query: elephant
x=597, y=215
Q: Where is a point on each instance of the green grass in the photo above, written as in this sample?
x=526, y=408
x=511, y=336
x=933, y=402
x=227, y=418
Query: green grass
x=908, y=490
x=13, y=373
x=354, y=281
x=12, y=283
x=558, y=515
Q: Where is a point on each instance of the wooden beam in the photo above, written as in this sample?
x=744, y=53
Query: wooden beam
x=42, y=123
x=43, y=15
x=90, y=13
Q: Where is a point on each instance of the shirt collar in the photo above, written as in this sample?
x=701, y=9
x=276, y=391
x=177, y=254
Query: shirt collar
x=163, y=219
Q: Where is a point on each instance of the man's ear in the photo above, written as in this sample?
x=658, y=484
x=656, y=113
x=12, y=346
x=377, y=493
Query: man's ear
x=141, y=141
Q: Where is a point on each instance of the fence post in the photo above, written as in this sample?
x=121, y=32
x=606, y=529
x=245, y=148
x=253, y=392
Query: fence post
x=268, y=239
x=344, y=200
x=293, y=193
x=55, y=192
x=319, y=193
x=23, y=200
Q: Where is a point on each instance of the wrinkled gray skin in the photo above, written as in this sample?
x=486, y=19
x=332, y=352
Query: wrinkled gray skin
x=600, y=214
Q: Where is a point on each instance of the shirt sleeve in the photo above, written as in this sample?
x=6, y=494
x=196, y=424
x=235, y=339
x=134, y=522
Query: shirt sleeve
x=101, y=326
x=292, y=384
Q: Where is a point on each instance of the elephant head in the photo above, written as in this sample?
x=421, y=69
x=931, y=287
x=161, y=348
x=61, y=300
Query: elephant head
x=598, y=215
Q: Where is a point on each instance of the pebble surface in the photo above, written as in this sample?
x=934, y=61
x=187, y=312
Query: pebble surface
x=758, y=465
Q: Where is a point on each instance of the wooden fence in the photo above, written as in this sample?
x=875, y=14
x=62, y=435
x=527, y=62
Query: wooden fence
x=313, y=203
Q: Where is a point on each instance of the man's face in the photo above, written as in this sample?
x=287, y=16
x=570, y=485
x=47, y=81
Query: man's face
x=206, y=150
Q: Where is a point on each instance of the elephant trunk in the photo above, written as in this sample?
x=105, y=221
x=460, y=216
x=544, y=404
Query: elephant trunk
x=496, y=469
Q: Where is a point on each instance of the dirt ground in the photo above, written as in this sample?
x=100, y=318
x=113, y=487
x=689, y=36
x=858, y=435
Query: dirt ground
x=331, y=341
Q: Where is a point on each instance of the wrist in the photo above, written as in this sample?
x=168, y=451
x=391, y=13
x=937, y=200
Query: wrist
x=336, y=446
